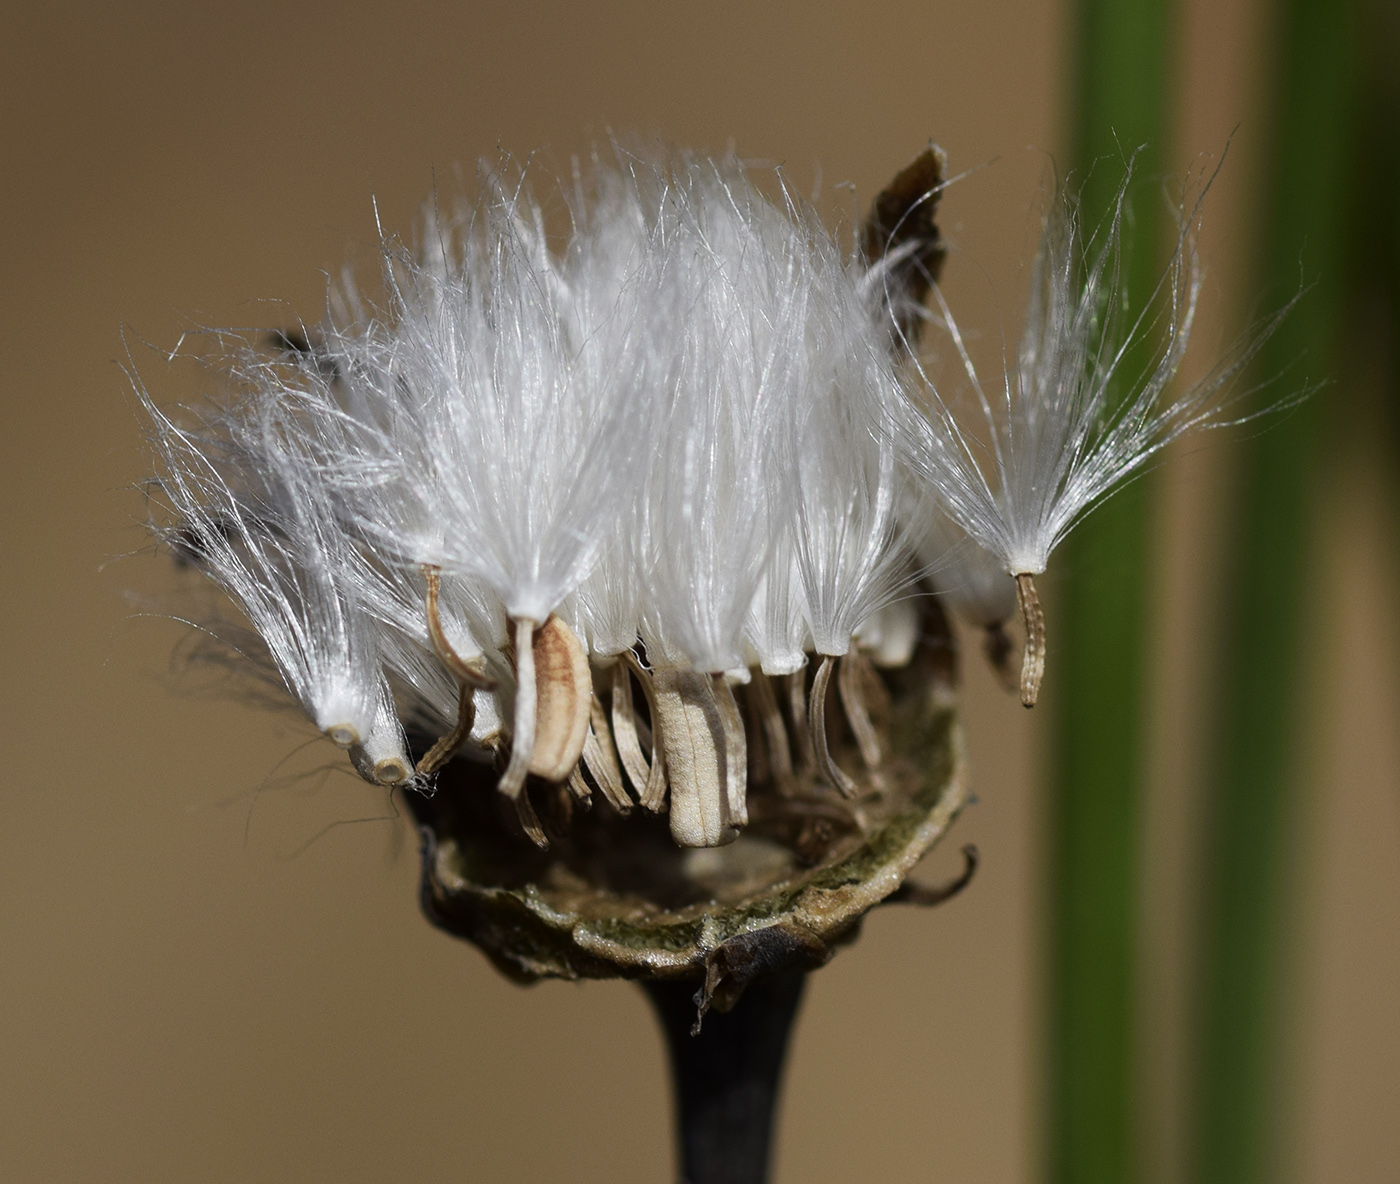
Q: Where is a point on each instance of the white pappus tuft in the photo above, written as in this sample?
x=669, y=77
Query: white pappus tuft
x=569, y=502
x=1074, y=419
x=250, y=513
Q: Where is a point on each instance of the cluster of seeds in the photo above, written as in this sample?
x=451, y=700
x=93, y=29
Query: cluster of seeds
x=551, y=500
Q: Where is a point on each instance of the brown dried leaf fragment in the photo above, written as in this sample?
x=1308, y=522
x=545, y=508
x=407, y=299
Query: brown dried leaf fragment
x=900, y=232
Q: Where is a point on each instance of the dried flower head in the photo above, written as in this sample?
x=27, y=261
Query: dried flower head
x=595, y=521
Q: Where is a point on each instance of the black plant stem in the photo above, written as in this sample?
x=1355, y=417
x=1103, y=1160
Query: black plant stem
x=727, y=1077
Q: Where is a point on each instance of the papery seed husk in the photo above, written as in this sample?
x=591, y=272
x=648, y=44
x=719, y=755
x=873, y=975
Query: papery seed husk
x=691, y=733
x=564, y=695
x=600, y=758
x=522, y=740
x=654, y=793
x=736, y=757
x=624, y=729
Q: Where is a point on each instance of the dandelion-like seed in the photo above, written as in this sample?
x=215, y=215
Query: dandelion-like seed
x=568, y=538
x=1072, y=421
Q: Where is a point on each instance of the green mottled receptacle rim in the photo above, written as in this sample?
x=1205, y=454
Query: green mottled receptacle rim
x=530, y=933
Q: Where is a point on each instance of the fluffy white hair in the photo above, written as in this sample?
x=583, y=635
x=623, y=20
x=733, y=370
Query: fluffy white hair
x=687, y=423
x=1072, y=421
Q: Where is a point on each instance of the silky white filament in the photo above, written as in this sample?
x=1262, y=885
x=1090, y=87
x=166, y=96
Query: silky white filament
x=685, y=438
x=1070, y=423
x=1073, y=420
x=252, y=516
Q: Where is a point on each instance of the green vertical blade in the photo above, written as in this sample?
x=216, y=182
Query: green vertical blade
x=1254, y=790
x=1097, y=634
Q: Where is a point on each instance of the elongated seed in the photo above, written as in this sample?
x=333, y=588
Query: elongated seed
x=460, y=668
x=446, y=747
x=624, y=728
x=654, y=795
x=851, y=682
x=690, y=728
x=601, y=759
x=1033, y=658
x=522, y=739
x=564, y=692
x=774, y=729
x=797, y=704
x=816, y=713
x=736, y=757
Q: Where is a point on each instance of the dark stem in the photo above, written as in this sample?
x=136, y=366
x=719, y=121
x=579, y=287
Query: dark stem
x=727, y=1076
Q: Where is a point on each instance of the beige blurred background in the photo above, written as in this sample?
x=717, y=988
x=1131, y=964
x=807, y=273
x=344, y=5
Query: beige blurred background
x=202, y=977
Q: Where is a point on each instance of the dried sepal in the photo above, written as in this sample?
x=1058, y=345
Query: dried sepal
x=580, y=789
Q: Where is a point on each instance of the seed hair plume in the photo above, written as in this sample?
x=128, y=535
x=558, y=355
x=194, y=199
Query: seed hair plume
x=612, y=509
x=1078, y=413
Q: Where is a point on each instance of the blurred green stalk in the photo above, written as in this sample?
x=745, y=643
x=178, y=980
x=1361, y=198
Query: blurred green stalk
x=1252, y=804
x=1098, y=634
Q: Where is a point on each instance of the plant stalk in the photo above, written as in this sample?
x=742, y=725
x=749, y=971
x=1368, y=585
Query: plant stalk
x=1253, y=798
x=727, y=1075
x=1098, y=627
